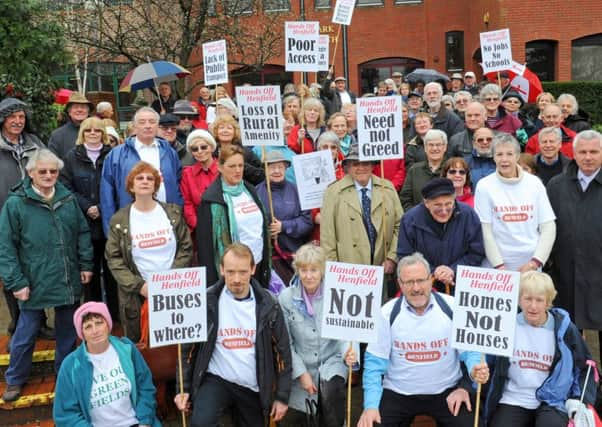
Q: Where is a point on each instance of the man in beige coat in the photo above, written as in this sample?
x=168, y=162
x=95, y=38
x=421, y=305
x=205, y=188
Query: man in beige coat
x=345, y=232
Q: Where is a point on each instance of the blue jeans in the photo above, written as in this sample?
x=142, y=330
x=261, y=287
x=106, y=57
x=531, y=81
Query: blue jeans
x=24, y=339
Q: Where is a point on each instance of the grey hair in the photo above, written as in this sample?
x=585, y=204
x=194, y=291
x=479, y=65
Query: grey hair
x=550, y=130
x=490, y=89
x=463, y=93
x=391, y=82
x=103, y=106
x=450, y=99
x=310, y=254
x=435, y=85
x=415, y=258
x=145, y=110
x=433, y=134
x=503, y=138
x=571, y=98
x=290, y=98
x=588, y=135
x=43, y=155
x=328, y=137
x=481, y=107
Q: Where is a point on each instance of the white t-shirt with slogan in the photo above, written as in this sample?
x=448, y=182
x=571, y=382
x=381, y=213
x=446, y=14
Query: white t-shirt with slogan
x=421, y=360
x=153, y=241
x=249, y=222
x=110, y=403
x=515, y=211
x=233, y=358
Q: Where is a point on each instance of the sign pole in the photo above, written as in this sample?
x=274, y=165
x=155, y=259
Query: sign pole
x=478, y=398
x=267, y=182
x=181, y=381
x=349, y=389
x=336, y=44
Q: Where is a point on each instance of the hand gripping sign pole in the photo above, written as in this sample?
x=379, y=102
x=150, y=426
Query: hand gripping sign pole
x=478, y=398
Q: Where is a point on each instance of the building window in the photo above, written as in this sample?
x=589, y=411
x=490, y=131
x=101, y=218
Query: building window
x=269, y=75
x=369, y=3
x=541, y=58
x=276, y=5
x=408, y=1
x=322, y=4
x=586, y=63
x=454, y=51
x=378, y=70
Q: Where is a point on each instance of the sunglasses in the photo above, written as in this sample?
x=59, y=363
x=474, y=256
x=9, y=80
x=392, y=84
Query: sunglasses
x=90, y=130
x=47, y=171
x=187, y=117
x=198, y=148
x=492, y=99
x=168, y=128
x=488, y=139
x=144, y=178
x=456, y=172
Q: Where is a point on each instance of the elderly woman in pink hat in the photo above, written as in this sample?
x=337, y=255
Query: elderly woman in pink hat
x=105, y=381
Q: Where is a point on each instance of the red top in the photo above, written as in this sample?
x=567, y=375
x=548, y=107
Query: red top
x=395, y=171
x=293, y=141
x=195, y=181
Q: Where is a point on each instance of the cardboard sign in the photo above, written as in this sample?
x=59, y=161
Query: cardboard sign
x=314, y=172
x=260, y=115
x=177, y=306
x=380, y=128
x=343, y=11
x=323, y=52
x=215, y=62
x=352, y=295
x=485, y=310
x=496, y=50
x=301, y=45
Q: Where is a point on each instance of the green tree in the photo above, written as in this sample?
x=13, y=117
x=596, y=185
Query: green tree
x=32, y=50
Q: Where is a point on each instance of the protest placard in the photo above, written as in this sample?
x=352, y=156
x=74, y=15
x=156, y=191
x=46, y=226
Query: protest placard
x=379, y=128
x=301, y=45
x=177, y=306
x=215, y=62
x=260, y=115
x=313, y=172
x=323, y=52
x=496, y=50
x=485, y=310
x=343, y=11
x=352, y=296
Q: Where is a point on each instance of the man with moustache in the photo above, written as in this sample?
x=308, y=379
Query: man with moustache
x=480, y=160
x=443, y=119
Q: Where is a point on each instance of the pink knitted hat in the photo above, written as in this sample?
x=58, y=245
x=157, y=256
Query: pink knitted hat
x=91, y=307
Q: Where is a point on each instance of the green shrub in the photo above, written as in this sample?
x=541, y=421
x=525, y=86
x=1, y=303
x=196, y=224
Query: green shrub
x=588, y=94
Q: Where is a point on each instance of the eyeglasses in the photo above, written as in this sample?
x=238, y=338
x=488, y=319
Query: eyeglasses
x=196, y=148
x=47, y=171
x=415, y=282
x=435, y=144
x=462, y=101
x=90, y=130
x=512, y=101
x=488, y=139
x=168, y=128
x=144, y=178
x=456, y=172
x=492, y=99
x=329, y=147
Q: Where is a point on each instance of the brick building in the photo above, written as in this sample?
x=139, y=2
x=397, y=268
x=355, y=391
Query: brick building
x=559, y=40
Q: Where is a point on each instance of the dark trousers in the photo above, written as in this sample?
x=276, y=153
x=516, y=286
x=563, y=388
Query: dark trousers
x=397, y=410
x=215, y=395
x=93, y=290
x=13, y=310
x=515, y=416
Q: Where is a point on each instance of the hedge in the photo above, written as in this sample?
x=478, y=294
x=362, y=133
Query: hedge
x=588, y=94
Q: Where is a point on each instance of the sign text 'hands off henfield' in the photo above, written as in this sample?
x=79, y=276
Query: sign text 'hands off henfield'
x=260, y=115
x=379, y=128
x=496, y=51
x=215, y=62
x=352, y=296
x=485, y=310
x=301, y=45
x=177, y=306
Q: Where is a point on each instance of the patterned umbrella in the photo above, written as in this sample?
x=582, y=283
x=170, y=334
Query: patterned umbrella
x=151, y=74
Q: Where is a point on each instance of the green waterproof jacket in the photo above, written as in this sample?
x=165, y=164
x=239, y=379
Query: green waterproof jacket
x=44, y=245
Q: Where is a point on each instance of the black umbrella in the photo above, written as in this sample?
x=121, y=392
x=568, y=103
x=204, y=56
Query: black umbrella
x=425, y=75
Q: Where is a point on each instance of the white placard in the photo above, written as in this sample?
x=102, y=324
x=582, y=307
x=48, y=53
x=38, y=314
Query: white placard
x=260, y=115
x=496, y=50
x=177, y=306
x=352, y=296
x=301, y=45
x=215, y=62
x=313, y=172
x=323, y=52
x=380, y=128
x=485, y=310
x=343, y=11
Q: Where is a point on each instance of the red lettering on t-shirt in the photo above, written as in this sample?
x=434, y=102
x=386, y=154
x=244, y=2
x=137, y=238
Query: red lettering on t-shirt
x=236, y=343
x=158, y=241
x=426, y=356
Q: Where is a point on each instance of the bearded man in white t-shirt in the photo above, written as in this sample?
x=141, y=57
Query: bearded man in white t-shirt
x=411, y=369
x=246, y=359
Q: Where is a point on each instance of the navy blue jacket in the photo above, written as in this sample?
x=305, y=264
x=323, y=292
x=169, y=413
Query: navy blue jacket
x=460, y=243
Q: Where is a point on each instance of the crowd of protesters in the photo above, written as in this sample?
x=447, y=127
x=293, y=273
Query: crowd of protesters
x=486, y=180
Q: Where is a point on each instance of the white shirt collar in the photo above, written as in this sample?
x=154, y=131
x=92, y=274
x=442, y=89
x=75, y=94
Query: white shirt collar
x=140, y=145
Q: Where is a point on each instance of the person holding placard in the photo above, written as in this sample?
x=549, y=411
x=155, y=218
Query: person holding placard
x=230, y=211
x=339, y=95
x=422, y=372
x=105, y=381
x=320, y=366
x=545, y=377
x=145, y=236
x=515, y=212
x=304, y=136
x=246, y=361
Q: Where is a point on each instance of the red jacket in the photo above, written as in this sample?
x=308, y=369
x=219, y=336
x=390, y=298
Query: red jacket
x=308, y=142
x=195, y=181
x=395, y=171
x=566, y=148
